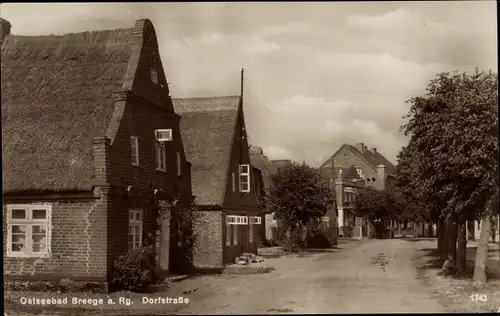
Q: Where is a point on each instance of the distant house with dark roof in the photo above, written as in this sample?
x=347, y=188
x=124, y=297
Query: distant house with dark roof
x=215, y=138
x=353, y=167
x=91, y=143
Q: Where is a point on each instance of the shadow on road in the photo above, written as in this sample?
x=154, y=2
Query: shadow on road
x=416, y=239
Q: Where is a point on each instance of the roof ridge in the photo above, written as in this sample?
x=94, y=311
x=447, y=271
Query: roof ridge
x=214, y=97
x=73, y=33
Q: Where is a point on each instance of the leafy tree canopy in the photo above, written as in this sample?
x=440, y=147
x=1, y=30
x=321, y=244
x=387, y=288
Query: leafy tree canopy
x=450, y=165
x=298, y=194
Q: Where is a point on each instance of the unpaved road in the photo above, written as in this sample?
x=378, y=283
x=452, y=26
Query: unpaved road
x=370, y=276
x=374, y=276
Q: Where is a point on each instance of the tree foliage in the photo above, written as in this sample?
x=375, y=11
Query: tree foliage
x=299, y=194
x=450, y=166
x=379, y=204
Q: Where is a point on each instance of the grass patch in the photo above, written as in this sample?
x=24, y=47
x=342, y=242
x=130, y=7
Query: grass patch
x=455, y=293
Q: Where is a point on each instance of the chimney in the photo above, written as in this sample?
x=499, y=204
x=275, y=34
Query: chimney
x=374, y=149
x=382, y=174
x=5, y=28
x=360, y=146
x=340, y=176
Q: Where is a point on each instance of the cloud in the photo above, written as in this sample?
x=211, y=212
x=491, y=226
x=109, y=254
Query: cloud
x=288, y=28
x=387, y=21
x=316, y=75
x=257, y=45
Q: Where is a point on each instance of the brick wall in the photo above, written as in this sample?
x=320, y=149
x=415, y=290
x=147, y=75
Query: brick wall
x=139, y=113
x=78, y=243
x=207, y=228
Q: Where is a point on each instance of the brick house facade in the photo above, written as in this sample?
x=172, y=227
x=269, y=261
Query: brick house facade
x=216, y=144
x=81, y=156
x=353, y=167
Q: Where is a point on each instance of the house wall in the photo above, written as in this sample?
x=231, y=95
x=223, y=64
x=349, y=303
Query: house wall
x=209, y=232
x=347, y=158
x=240, y=203
x=240, y=155
x=78, y=243
x=139, y=113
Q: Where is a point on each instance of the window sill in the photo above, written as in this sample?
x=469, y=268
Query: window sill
x=136, y=166
x=27, y=256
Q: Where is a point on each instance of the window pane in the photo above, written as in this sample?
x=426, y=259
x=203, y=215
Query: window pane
x=131, y=215
x=137, y=216
x=17, y=238
x=39, y=229
x=18, y=214
x=17, y=247
x=235, y=235
x=228, y=235
x=130, y=238
x=18, y=229
x=39, y=214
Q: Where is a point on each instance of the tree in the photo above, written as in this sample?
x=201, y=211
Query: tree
x=454, y=143
x=378, y=206
x=297, y=195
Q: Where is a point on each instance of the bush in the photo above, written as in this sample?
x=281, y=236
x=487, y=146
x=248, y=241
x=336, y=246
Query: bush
x=293, y=242
x=347, y=231
x=268, y=243
x=319, y=237
x=184, y=240
x=135, y=270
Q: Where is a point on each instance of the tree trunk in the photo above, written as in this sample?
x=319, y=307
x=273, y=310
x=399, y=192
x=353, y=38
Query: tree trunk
x=462, y=249
x=449, y=266
x=423, y=229
x=430, y=231
x=442, y=233
x=482, y=252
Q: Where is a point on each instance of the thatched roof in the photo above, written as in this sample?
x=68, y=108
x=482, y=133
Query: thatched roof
x=261, y=161
x=207, y=128
x=56, y=97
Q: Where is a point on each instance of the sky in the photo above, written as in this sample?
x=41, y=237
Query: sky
x=317, y=75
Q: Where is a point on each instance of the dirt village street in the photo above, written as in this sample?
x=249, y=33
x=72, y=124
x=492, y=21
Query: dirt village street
x=368, y=276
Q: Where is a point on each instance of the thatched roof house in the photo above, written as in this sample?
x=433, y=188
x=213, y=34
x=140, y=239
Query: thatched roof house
x=57, y=95
x=207, y=128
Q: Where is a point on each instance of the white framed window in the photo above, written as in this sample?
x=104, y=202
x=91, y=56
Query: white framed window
x=326, y=221
x=28, y=230
x=163, y=135
x=154, y=76
x=255, y=220
x=161, y=156
x=244, y=178
x=179, y=165
x=360, y=172
x=134, y=150
x=233, y=182
x=236, y=220
x=135, y=229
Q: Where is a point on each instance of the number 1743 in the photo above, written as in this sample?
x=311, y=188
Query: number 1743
x=479, y=297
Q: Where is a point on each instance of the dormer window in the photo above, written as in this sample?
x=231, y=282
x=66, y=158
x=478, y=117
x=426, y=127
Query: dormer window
x=154, y=76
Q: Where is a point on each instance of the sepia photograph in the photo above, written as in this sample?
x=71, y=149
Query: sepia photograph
x=215, y=158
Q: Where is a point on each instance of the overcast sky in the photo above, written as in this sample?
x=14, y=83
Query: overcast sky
x=317, y=75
